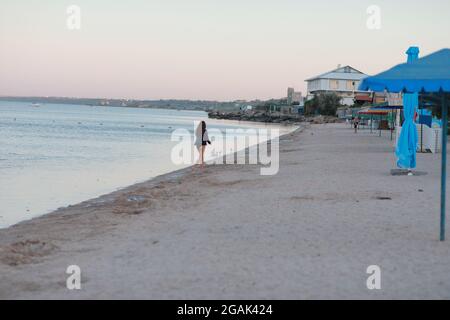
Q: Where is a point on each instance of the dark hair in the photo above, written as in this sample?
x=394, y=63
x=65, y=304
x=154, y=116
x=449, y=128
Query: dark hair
x=203, y=128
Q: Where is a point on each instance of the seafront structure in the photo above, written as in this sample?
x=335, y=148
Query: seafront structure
x=343, y=81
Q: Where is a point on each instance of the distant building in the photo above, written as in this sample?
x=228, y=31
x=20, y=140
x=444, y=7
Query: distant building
x=297, y=98
x=294, y=97
x=290, y=94
x=392, y=99
x=246, y=108
x=347, y=112
x=343, y=81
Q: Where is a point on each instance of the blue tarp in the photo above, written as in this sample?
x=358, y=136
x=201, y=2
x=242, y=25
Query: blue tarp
x=428, y=74
x=407, y=142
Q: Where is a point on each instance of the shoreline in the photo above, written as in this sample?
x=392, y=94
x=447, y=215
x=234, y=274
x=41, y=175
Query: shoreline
x=169, y=176
x=30, y=197
x=226, y=232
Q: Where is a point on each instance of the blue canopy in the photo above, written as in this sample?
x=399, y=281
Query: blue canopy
x=428, y=74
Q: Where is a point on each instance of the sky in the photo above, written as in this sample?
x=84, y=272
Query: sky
x=204, y=49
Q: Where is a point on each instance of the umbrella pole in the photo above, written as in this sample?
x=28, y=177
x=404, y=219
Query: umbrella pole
x=395, y=126
x=371, y=123
x=444, y=164
x=421, y=123
x=421, y=138
x=379, y=124
x=392, y=123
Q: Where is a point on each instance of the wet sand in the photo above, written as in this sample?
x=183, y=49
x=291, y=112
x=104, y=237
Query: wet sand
x=226, y=232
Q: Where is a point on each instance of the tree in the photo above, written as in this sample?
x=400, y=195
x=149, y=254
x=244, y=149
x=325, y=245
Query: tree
x=312, y=106
x=325, y=104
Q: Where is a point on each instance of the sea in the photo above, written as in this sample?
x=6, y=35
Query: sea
x=55, y=155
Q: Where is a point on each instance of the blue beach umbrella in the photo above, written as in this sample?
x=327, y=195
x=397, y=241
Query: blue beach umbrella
x=407, y=142
x=429, y=75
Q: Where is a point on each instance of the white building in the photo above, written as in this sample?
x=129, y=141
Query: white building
x=294, y=97
x=246, y=108
x=344, y=81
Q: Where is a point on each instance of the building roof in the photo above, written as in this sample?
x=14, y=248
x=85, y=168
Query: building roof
x=342, y=73
x=360, y=97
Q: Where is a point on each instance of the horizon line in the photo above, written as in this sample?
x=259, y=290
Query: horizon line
x=133, y=99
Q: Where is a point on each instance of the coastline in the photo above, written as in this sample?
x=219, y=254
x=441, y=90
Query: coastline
x=229, y=233
x=61, y=173
x=170, y=175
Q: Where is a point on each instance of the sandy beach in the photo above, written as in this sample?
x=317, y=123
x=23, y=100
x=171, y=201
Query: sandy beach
x=226, y=232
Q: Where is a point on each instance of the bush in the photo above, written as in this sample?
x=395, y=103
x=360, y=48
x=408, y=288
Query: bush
x=325, y=104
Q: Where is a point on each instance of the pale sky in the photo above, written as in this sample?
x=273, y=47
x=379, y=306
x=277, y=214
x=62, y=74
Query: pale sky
x=204, y=49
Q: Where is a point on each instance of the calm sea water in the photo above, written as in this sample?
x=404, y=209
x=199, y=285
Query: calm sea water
x=56, y=155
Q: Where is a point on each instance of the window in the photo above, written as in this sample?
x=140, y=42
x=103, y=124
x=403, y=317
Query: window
x=351, y=85
x=334, y=84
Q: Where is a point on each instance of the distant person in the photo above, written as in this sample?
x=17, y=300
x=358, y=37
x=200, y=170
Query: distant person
x=356, y=124
x=201, y=140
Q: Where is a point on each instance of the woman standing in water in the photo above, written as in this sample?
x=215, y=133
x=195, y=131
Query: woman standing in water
x=201, y=140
